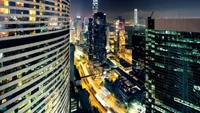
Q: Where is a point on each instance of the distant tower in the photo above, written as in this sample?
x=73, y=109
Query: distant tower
x=95, y=6
x=85, y=24
x=135, y=17
x=78, y=27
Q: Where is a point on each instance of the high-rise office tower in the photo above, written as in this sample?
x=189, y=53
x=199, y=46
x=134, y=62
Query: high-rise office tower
x=99, y=37
x=173, y=65
x=120, y=33
x=72, y=32
x=135, y=17
x=78, y=27
x=85, y=24
x=34, y=56
x=138, y=56
x=107, y=37
x=95, y=6
x=90, y=39
x=72, y=74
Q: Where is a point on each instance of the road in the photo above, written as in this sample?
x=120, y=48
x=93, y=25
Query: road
x=87, y=86
x=90, y=84
x=94, y=85
x=110, y=100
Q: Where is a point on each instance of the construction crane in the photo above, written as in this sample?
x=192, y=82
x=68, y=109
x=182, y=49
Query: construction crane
x=150, y=17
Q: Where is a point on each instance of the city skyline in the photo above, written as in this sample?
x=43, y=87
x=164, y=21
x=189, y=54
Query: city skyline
x=166, y=9
x=99, y=56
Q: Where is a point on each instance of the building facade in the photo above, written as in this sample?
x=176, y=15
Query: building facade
x=34, y=56
x=95, y=6
x=107, y=38
x=135, y=17
x=78, y=28
x=120, y=33
x=138, y=56
x=72, y=32
x=85, y=24
x=90, y=39
x=72, y=74
x=99, y=37
x=172, y=65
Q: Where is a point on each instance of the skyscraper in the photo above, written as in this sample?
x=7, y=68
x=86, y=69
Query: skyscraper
x=72, y=74
x=172, y=65
x=72, y=32
x=90, y=39
x=107, y=37
x=78, y=27
x=138, y=56
x=99, y=36
x=34, y=56
x=95, y=6
x=135, y=17
x=85, y=24
x=120, y=33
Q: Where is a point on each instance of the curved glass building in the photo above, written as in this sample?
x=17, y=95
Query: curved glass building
x=34, y=56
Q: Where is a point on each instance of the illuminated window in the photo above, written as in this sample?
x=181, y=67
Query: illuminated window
x=152, y=71
x=23, y=105
x=4, y=11
x=19, y=84
x=4, y=2
x=3, y=34
x=4, y=100
x=41, y=13
x=1, y=55
x=153, y=87
x=9, y=79
x=32, y=18
x=19, y=76
x=32, y=12
x=196, y=87
x=28, y=111
x=42, y=7
x=178, y=70
x=20, y=4
x=159, y=65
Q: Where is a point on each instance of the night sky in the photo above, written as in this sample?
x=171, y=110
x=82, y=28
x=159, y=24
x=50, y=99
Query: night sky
x=162, y=8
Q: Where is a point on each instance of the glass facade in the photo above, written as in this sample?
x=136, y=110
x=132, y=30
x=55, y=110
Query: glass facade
x=99, y=38
x=172, y=71
x=34, y=56
x=138, y=56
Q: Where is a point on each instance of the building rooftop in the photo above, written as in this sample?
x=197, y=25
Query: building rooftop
x=184, y=25
x=128, y=83
x=110, y=63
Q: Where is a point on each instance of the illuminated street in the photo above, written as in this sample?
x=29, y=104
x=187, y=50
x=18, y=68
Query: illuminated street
x=93, y=86
x=85, y=84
